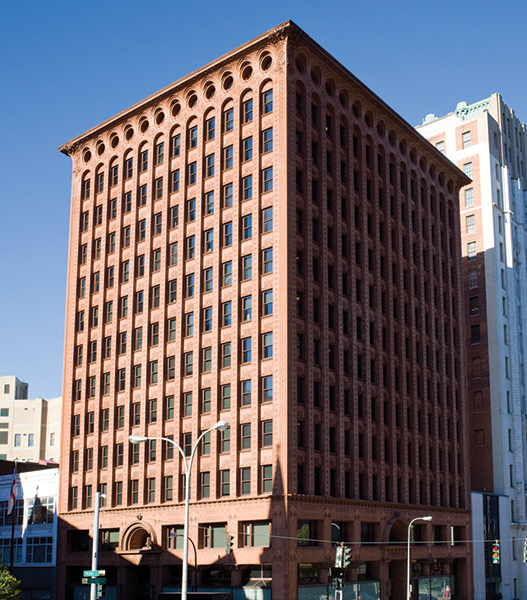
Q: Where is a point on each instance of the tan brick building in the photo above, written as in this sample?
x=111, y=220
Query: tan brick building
x=267, y=243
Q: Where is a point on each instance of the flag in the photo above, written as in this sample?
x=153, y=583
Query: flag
x=12, y=495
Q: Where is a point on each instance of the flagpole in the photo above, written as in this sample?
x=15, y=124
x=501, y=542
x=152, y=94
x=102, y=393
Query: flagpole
x=13, y=517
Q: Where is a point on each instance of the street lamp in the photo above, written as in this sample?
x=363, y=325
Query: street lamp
x=408, y=580
x=135, y=439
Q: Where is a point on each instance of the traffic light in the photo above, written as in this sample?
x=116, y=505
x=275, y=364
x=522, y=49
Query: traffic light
x=495, y=553
x=229, y=542
x=525, y=551
x=339, y=554
x=101, y=590
x=346, y=558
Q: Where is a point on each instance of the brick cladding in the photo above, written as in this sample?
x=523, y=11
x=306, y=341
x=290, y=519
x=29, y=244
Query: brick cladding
x=368, y=409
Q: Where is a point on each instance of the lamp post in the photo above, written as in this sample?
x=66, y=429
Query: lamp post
x=95, y=546
x=408, y=580
x=134, y=439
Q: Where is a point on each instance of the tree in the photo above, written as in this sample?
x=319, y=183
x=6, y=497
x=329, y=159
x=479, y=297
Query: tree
x=9, y=585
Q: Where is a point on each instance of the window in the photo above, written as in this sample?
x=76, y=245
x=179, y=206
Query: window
x=187, y=404
x=174, y=181
x=471, y=250
x=267, y=179
x=143, y=161
x=256, y=534
x=441, y=146
x=228, y=155
x=226, y=314
x=267, y=259
x=471, y=224
x=156, y=296
x=226, y=440
x=143, y=195
x=472, y=279
x=247, y=148
x=190, y=285
x=247, y=187
x=209, y=240
x=246, y=436
x=267, y=219
x=206, y=400
x=191, y=247
x=467, y=169
x=173, y=254
x=205, y=484
x=475, y=336
x=209, y=203
x=474, y=305
x=115, y=175
x=229, y=119
x=267, y=136
x=160, y=153
x=227, y=195
x=18, y=439
x=40, y=549
x=267, y=433
x=172, y=330
x=245, y=480
x=226, y=355
x=138, y=338
x=96, y=282
x=187, y=443
x=193, y=137
x=192, y=173
x=267, y=478
x=214, y=536
x=172, y=291
x=247, y=109
x=207, y=280
x=188, y=358
x=267, y=301
x=466, y=139
x=227, y=273
x=247, y=267
x=134, y=491
x=157, y=224
x=111, y=242
x=176, y=145
x=267, y=388
x=246, y=308
x=267, y=99
x=137, y=376
x=247, y=227
x=125, y=271
x=246, y=345
x=246, y=392
x=189, y=324
x=153, y=372
x=469, y=197
x=86, y=185
x=210, y=128
x=207, y=318
x=207, y=360
x=267, y=345
x=209, y=165
x=227, y=234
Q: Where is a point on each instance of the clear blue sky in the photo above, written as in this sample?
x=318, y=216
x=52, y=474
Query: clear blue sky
x=66, y=66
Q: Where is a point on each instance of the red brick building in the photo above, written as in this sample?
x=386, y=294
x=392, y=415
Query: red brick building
x=267, y=243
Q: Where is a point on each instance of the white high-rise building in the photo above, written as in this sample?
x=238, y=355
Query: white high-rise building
x=29, y=428
x=488, y=142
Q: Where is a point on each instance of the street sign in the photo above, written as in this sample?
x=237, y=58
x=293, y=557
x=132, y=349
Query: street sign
x=90, y=580
x=100, y=573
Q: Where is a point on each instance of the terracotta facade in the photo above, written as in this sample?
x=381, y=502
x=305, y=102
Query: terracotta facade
x=313, y=301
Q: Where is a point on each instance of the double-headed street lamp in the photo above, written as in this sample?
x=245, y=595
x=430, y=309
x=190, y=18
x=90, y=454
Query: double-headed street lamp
x=134, y=439
x=408, y=580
